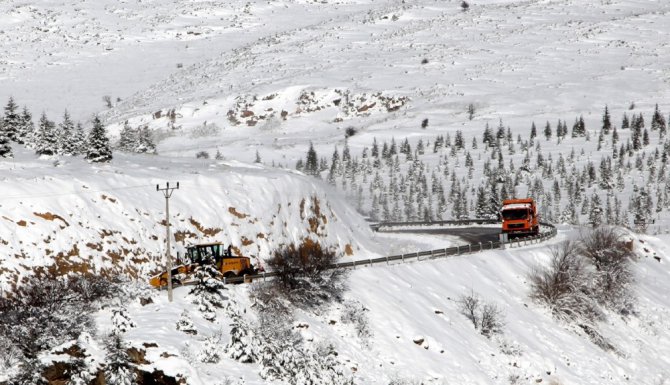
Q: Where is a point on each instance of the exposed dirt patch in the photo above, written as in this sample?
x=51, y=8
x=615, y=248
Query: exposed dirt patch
x=22, y=223
x=137, y=356
x=209, y=231
x=50, y=217
x=181, y=236
x=106, y=233
x=246, y=241
x=105, y=197
x=236, y=213
x=94, y=246
x=260, y=236
x=348, y=250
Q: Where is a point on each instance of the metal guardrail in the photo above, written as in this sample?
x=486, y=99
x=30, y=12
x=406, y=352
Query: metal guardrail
x=428, y=254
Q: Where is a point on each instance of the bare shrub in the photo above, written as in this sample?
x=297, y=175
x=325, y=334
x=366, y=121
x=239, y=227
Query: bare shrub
x=486, y=317
x=51, y=310
x=202, y=155
x=491, y=320
x=606, y=249
x=563, y=285
x=354, y=314
x=469, y=306
x=108, y=101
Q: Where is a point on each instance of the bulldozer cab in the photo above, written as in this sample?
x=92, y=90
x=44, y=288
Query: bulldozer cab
x=207, y=253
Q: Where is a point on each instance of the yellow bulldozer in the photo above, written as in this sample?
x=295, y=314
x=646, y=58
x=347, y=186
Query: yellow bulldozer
x=206, y=253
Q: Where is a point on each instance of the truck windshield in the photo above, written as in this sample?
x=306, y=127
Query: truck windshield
x=515, y=214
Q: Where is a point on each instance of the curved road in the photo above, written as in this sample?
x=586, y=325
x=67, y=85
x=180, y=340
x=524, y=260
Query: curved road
x=468, y=234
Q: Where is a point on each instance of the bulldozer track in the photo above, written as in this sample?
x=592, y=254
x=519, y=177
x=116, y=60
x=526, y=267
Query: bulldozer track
x=547, y=231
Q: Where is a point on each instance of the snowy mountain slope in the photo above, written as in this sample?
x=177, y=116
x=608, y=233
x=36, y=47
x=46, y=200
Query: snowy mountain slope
x=207, y=76
x=111, y=218
x=416, y=331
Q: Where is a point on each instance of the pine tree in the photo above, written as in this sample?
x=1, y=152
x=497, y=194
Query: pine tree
x=12, y=122
x=206, y=294
x=240, y=347
x=5, y=146
x=596, y=213
x=145, y=142
x=98, y=144
x=658, y=123
x=79, y=140
x=118, y=370
x=128, y=138
x=66, y=145
x=625, y=123
x=47, y=137
x=27, y=128
x=533, y=133
x=311, y=163
x=579, y=128
x=547, y=131
x=636, y=135
x=607, y=124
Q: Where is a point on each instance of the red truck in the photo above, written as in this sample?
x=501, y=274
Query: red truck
x=519, y=217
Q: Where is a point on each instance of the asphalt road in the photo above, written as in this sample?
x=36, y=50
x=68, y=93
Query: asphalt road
x=467, y=234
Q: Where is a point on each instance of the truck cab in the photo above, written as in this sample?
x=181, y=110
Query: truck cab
x=519, y=217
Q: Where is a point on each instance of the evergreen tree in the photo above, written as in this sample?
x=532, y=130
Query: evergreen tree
x=27, y=128
x=482, y=204
x=636, y=135
x=206, y=294
x=46, y=141
x=658, y=122
x=128, y=138
x=118, y=370
x=645, y=137
x=596, y=213
x=98, y=144
x=66, y=145
x=607, y=124
x=5, y=147
x=579, y=128
x=547, y=131
x=625, y=123
x=145, y=142
x=11, y=123
x=79, y=140
x=533, y=133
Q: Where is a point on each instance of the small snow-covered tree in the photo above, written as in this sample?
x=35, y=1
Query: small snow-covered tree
x=98, y=149
x=27, y=128
x=146, y=144
x=5, y=147
x=118, y=368
x=46, y=141
x=607, y=123
x=128, y=138
x=12, y=121
x=78, y=140
x=211, y=352
x=121, y=320
x=66, y=133
x=206, y=294
x=185, y=323
x=241, y=346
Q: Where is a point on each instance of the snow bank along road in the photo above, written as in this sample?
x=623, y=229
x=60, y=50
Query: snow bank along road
x=480, y=238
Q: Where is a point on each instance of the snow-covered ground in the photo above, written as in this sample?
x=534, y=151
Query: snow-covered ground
x=265, y=79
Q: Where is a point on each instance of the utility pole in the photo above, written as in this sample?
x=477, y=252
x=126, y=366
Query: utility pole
x=167, y=192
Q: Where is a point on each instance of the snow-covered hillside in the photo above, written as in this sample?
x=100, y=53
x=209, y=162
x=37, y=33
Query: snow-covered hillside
x=80, y=217
x=395, y=98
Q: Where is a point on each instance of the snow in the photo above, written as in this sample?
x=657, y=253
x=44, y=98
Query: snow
x=515, y=206
x=248, y=77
